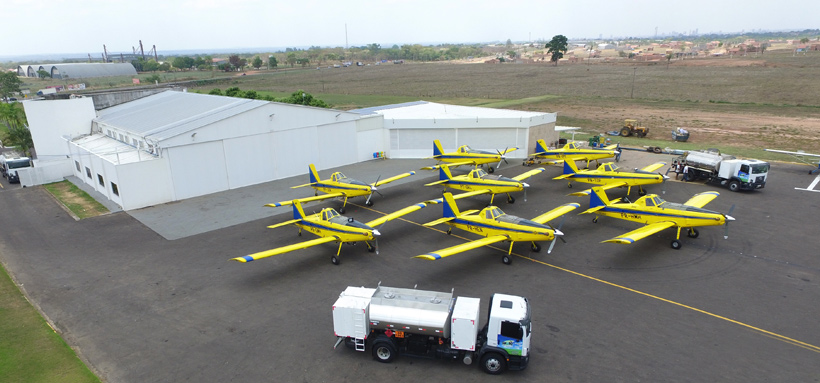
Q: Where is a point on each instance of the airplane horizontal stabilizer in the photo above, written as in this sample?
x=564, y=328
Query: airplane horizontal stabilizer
x=284, y=223
x=605, y=187
x=439, y=221
x=303, y=185
x=396, y=214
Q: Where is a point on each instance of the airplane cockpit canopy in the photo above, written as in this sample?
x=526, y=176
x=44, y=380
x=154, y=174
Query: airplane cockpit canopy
x=338, y=176
x=609, y=167
x=492, y=213
x=653, y=201
x=477, y=173
x=572, y=145
x=329, y=213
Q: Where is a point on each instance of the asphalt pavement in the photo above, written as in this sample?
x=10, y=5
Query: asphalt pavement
x=150, y=296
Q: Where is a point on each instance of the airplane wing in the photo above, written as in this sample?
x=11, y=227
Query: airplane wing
x=555, y=213
x=793, y=153
x=396, y=214
x=391, y=179
x=509, y=150
x=451, y=164
x=459, y=196
x=284, y=249
x=528, y=174
x=655, y=166
x=283, y=223
x=641, y=233
x=461, y=248
x=701, y=199
x=604, y=187
x=308, y=199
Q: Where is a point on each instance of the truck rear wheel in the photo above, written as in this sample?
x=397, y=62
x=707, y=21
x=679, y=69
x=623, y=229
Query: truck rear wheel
x=384, y=351
x=492, y=363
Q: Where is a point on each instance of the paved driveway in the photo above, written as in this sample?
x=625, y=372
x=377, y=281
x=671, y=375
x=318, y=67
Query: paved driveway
x=140, y=307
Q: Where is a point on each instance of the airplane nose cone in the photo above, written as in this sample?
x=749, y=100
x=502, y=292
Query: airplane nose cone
x=376, y=232
x=729, y=218
x=524, y=184
x=665, y=177
x=558, y=232
x=373, y=188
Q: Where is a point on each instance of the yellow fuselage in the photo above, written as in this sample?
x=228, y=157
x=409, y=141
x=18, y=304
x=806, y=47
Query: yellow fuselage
x=681, y=215
x=515, y=232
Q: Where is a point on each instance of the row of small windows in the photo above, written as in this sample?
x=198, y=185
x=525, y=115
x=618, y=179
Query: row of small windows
x=124, y=138
x=100, y=179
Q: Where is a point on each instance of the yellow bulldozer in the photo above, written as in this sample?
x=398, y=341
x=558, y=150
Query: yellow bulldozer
x=631, y=127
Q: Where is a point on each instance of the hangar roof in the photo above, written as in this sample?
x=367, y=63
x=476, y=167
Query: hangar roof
x=170, y=113
x=112, y=150
x=430, y=110
x=80, y=70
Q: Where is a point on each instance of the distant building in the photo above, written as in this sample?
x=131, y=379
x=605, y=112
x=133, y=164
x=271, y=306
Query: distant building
x=80, y=70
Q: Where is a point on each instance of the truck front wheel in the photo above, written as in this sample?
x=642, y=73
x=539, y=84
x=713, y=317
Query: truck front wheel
x=493, y=363
x=384, y=351
x=734, y=186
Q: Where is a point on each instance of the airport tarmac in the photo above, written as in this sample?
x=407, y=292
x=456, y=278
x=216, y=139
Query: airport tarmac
x=150, y=296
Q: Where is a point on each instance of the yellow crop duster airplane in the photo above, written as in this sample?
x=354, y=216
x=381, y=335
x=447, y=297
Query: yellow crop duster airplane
x=496, y=226
x=340, y=186
x=571, y=152
x=466, y=156
x=330, y=226
x=658, y=215
x=611, y=176
x=479, y=182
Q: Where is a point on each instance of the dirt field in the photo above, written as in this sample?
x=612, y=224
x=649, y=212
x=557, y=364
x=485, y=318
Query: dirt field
x=769, y=100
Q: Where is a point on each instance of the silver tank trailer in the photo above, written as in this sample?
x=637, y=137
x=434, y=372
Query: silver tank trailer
x=410, y=310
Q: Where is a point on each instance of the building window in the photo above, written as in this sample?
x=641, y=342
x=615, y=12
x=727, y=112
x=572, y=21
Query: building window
x=88, y=172
x=77, y=164
x=121, y=139
x=100, y=180
x=114, y=189
x=134, y=140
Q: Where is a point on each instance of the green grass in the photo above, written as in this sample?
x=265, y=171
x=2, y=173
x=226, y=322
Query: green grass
x=30, y=350
x=76, y=200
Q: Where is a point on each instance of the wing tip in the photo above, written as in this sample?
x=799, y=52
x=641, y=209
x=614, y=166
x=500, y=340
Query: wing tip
x=429, y=256
x=244, y=259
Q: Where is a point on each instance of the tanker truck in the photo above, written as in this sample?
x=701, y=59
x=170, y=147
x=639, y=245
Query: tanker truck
x=392, y=321
x=726, y=170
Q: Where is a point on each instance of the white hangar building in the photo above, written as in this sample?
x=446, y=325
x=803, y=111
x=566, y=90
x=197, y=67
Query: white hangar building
x=177, y=145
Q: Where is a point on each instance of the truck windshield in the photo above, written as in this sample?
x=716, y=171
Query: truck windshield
x=760, y=168
x=16, y=164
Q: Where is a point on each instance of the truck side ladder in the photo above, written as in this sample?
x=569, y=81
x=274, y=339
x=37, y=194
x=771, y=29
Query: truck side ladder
x=359, y=325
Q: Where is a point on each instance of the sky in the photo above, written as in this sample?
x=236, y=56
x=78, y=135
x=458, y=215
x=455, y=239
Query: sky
x=83, y=26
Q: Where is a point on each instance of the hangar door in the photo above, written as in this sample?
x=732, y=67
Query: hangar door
x=198, y=169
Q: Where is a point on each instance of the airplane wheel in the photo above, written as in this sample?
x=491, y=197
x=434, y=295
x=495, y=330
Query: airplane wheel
x=693, y=233
x=335, y=260
x=641, y=193
x=506, y=259
x=368, y=203
x=342, y=211
x=511, y=199
x=595, y=220
x=490, y=169
x=371, y=248
x=676, y=244
x=535, y=247
x=449, y=231
x=569, y=186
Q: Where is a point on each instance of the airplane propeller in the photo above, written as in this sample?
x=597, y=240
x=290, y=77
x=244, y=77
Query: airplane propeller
x=502, y=157
x=663, y=183
x=728, y=218
x=556, y=234
x=372, y=190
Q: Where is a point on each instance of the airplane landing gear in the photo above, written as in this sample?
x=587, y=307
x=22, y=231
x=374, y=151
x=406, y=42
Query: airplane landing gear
x=335, y=260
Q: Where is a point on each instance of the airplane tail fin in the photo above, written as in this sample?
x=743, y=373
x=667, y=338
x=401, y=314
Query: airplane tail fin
x=450, y=208
x=540, y=146
x=598, y=198
x=570, y=167
x=314, y=175
x=444, y=173
x=298, y=213
x=437, y=150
